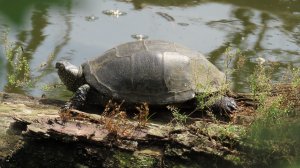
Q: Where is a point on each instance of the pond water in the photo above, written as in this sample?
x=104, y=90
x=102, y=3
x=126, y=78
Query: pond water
x=39, y=33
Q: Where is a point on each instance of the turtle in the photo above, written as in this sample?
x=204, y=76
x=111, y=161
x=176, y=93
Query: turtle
x=155, y=72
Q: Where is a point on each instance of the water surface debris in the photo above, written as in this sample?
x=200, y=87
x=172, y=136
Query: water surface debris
x=166, y=16
x=91, y=18
x=114, y=12
x=139, y=36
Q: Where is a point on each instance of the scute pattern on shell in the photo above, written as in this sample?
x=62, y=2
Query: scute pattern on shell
x=152, y=71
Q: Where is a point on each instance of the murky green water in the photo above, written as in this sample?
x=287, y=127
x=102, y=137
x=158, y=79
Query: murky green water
x=76, y=30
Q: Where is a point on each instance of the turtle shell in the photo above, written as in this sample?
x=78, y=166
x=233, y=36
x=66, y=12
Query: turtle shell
x=152, y=71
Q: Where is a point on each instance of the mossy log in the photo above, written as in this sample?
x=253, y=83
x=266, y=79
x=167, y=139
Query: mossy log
x=33, y=134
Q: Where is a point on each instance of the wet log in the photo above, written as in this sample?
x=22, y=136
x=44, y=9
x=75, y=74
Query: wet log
x=26, y=107
x=34, y=134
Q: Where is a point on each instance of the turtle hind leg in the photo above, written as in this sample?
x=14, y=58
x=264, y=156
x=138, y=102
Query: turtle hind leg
x=78, y=100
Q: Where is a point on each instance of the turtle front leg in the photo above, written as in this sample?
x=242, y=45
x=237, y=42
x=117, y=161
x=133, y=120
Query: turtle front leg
x=225, y=104
x=79, y=98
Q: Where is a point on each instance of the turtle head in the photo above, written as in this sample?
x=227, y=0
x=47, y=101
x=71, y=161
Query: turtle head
x=70, y=75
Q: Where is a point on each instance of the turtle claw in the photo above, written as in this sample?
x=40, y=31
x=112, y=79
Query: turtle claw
x=230, y=104
x=66, y=107
x=225, y=104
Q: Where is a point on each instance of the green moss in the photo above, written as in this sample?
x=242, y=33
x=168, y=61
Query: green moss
x=127, y=159
x=236, y=160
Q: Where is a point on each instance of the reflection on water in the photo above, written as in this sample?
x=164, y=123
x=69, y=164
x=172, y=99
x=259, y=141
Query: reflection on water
x=78, y=30
x=16, y=11
x=30, y=41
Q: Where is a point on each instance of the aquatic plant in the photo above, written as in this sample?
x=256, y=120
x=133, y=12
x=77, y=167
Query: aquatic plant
x=18, y=65
x=179, y=117
x=143, y=116
x=206, y=99
x=274, y=134
x=260, y=81
x=115, y=118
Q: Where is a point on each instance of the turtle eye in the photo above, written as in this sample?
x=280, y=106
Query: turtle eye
x=59, y=65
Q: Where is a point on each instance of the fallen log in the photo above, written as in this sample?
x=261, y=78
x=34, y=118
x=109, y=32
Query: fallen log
x=34, y=134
